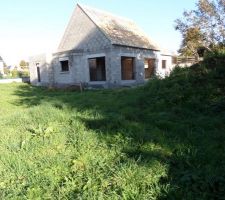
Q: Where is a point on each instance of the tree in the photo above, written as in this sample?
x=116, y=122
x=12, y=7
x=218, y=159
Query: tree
x=6, y=70
x=24, y=64
x=203, y=27
x=15, y=73
x=192, y=42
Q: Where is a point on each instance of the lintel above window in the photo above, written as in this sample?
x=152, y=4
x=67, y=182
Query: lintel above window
x=63, y=58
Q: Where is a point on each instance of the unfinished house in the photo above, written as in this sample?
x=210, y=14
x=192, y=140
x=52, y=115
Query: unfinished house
x=99, y=49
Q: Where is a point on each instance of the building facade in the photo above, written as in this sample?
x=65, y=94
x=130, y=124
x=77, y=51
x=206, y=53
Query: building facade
x=99, y=49
x=1, y=67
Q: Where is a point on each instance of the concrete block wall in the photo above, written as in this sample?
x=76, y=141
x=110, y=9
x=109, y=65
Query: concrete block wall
x=45, y=69
x=79, y=67
x=62, y=78
x=83, y=40
x=82, y=33
x=139, y=56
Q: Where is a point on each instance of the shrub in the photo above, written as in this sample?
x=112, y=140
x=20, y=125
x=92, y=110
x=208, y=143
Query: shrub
x=215, y=59
x=19, y=74
x=15, y=73
x=24, y=73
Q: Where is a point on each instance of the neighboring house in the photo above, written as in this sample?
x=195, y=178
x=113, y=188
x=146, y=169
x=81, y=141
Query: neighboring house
x=1, y=66
x=99, y=49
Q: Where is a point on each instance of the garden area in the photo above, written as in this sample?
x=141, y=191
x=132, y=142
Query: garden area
x=164, y=140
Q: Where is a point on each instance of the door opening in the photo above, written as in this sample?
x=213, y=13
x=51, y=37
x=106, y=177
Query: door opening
x=38, y=72
x=149, y=67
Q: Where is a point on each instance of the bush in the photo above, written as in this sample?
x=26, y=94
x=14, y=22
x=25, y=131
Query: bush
x=6, y=71
x=20, y=74
x=24, y=73
x=15, y=73
x=215, y=58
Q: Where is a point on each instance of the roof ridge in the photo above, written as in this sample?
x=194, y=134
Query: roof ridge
x=83, y=7
x=124, y=24
x=116, y=29
x=96, y=24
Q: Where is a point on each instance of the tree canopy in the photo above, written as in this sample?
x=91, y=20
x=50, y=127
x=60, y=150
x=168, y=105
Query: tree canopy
x=24, y=64
x=202, y=27
x=192, y=41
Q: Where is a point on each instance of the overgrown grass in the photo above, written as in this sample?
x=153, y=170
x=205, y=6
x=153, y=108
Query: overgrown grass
x=165, y=140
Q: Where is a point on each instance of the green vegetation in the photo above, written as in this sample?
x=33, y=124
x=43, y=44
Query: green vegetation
x=202, y=28
x=19, y=74
x=14, y=74
x=24, y=65
x=165, y=140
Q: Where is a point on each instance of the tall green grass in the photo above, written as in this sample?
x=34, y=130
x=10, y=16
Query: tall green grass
x=165, y=140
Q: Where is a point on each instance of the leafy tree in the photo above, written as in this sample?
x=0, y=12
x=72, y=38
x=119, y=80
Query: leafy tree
x=192, y=42
x=24, y=64
x=203, y=27
x=15, y=73
x=6, y=70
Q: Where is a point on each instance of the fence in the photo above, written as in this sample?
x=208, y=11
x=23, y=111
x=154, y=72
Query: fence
x=191, y=60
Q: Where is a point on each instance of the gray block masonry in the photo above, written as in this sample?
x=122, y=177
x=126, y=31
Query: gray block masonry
x=91, y=34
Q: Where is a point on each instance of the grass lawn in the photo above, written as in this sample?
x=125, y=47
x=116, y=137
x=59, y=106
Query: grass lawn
x=165, y=140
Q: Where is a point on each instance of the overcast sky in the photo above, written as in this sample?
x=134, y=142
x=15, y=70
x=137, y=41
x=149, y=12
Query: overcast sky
x=29, y=27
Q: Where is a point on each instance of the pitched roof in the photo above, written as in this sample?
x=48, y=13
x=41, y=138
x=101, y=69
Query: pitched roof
x=1, y=58
x=167, y=52
x=119, y=30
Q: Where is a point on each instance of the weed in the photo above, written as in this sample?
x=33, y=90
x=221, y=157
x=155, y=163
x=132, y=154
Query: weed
x=164, y=140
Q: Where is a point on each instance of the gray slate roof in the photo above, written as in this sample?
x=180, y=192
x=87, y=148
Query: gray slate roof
x=119, y=30
x=1, y=58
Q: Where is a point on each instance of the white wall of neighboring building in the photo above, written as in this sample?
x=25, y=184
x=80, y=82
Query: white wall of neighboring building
x=1, y=67
x=163, y=72
x=11, y=80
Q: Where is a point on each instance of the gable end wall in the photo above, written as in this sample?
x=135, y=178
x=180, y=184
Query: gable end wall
x=82, y=34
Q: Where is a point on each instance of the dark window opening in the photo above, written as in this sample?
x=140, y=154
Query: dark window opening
x=127, y=68
x=38, y=72
x=149, y=68
x=164, y=64
x=64, y=66
x=97, y=69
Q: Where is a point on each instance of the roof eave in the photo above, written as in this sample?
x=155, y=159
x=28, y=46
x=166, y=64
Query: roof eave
x=135, y=47
x=166, y=54
x=78, y=51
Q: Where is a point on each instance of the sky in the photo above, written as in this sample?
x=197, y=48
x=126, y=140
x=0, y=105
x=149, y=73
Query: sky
x=30, y=27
